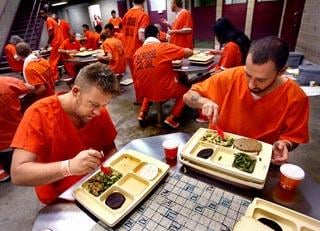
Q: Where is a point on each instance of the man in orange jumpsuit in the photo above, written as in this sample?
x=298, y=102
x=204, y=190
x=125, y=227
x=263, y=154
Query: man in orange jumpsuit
x=63, y=25
x=36, y=71
x=10, y=116
x=134, y=22
x=63, y=137
x=68, y=48
x=115, y=21
x=155, y=76
x=181, y=31
x=113, y=49
x=92, y=37
x=55, y=38
x=257, y=100
x=15, y=63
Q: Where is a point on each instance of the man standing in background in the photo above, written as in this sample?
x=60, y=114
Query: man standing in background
x=134, y=22
x=63, y=25
x=114, y=20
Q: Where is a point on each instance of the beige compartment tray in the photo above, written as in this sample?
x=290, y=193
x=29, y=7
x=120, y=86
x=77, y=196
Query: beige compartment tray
x=132, y=185
x=223, y=157
x=88, y=53
x=287, y=219
x=201, y=58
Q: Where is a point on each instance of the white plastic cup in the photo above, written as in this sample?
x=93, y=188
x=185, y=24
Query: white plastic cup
x=291, y=176
x=312, y=83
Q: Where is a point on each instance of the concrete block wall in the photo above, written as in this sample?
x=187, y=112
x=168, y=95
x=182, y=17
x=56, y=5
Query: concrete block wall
x=309, y=34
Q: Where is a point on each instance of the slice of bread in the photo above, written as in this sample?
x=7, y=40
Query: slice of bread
x=247, y=145
x=250, y=224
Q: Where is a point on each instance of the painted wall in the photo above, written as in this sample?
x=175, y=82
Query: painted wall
x=6, y=19
x=309, y=34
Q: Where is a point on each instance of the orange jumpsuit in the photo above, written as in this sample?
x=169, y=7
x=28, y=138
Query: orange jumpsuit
x=10, y=51
x=70, y=67
x=93, y=39
x=231, y=56
x=163, y=36
x=118, y=62
x=55, y=44
x=120, y=36
x=133, y=20
x=282, y=114
x=115, y=22
x=64, y=27
x=38, y=73
x=183, y=20
x=10, y=108
x=155, y=76
x=47, y=131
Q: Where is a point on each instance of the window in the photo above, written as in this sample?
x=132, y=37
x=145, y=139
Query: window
x=230, y=2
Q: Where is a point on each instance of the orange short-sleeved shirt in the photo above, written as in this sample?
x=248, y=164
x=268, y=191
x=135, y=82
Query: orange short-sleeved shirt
x=39, y=72
x=68, y=45
x=153, y=69
x=282, y=114
x=47, y=131
x=115, y=22
x=132, y=21
x=183, y=20
x=118, y=62
x=57, y=34
x=10, y=51
x=64, y=27
x=10, y=108
x=231, y=56
x=93, y=39
x=120, y=36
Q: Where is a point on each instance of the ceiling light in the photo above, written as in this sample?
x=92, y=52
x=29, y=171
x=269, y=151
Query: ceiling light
x=59, y=3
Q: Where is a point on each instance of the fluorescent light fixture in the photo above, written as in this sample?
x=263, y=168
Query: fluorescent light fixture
x=59, y=3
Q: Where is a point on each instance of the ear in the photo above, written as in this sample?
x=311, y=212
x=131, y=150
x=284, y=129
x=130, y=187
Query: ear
x=75, y=90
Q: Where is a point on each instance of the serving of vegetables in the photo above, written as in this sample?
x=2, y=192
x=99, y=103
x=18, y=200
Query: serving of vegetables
x=244, y=162
x=214, y=138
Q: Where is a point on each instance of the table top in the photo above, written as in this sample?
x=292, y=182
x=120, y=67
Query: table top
x=189, y=68
x=66, y=215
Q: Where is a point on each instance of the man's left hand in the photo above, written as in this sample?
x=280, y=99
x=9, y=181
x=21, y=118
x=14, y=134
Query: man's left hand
x=279, y=153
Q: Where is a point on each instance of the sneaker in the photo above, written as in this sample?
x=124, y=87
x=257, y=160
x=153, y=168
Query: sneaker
x=142, y=118
x=4, y=175
x=202, y=120
x=170, y=121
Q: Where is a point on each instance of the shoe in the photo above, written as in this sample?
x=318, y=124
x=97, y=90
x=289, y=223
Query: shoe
x=137, y=103
x=4, y=175
x=142, y=118
x=170, y=121
x=202, y=120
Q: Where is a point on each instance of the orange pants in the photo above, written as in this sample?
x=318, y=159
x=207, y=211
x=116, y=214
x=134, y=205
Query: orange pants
x=139, y=97
x=71, y=69
x=53, y=61
x=177, y=94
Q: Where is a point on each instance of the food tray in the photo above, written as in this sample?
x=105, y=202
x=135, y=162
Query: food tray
x=133, y=185
x=86, y=53
x=201, y=58
x=177, y=63
x=287, y=219
x=223, y=158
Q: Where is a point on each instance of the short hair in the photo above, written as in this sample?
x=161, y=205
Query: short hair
x=113, y=11
x=151, y=31
x=15, y=39
x=98, y=28
x=109, y=26
x=178, y=3
x=86, y=26
x=138, y=1
x=103, y=36
x=270, y=48
x=98, y=75
x=23, y=49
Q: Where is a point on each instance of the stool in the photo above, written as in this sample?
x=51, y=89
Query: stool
x=68, y=80
x=159, y=112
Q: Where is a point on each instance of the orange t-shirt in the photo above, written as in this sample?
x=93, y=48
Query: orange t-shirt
x=183, y=20
x=57, y=35
x=93, y=39
x=163, y=36
x=118, y=62
x=120, y=36
x=115, y=22
x=10, y=51
x=132, y=21
x=153, y=69
x=64, y=27
x=10, y=108
x=47, y=131
x=282, y=114
x=68, y=45
x=231, y=56
x=39, y=72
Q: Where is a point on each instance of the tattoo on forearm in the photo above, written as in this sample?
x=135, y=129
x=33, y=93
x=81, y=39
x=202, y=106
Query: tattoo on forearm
x=195, y=99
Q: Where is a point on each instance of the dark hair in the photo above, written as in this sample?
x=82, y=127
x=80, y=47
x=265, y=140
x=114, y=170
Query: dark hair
x=103, y=36
x=109, y=26
x=226, y=32
x=138, y=1
x=178, y=3
x=270, y=48
x=113, y=11
x=98, y=75
x=151, y=31
x=98, y=28
x=23, y=49
x=86, y=26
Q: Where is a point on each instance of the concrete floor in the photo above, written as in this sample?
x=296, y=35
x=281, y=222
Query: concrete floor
x=19, y=205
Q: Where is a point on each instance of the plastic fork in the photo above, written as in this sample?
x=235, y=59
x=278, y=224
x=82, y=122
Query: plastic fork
x=105, y=170
x=215, y=127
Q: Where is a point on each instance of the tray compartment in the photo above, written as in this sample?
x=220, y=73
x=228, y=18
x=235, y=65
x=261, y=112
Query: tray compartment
x=133, y=184
x=200, y=146
x=125, y=163
x=127, y=202
x=140, y=166
x=223, y=156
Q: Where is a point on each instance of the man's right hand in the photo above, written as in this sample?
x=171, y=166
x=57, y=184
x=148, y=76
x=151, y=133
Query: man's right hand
x=85, y=162
x=211, y=110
